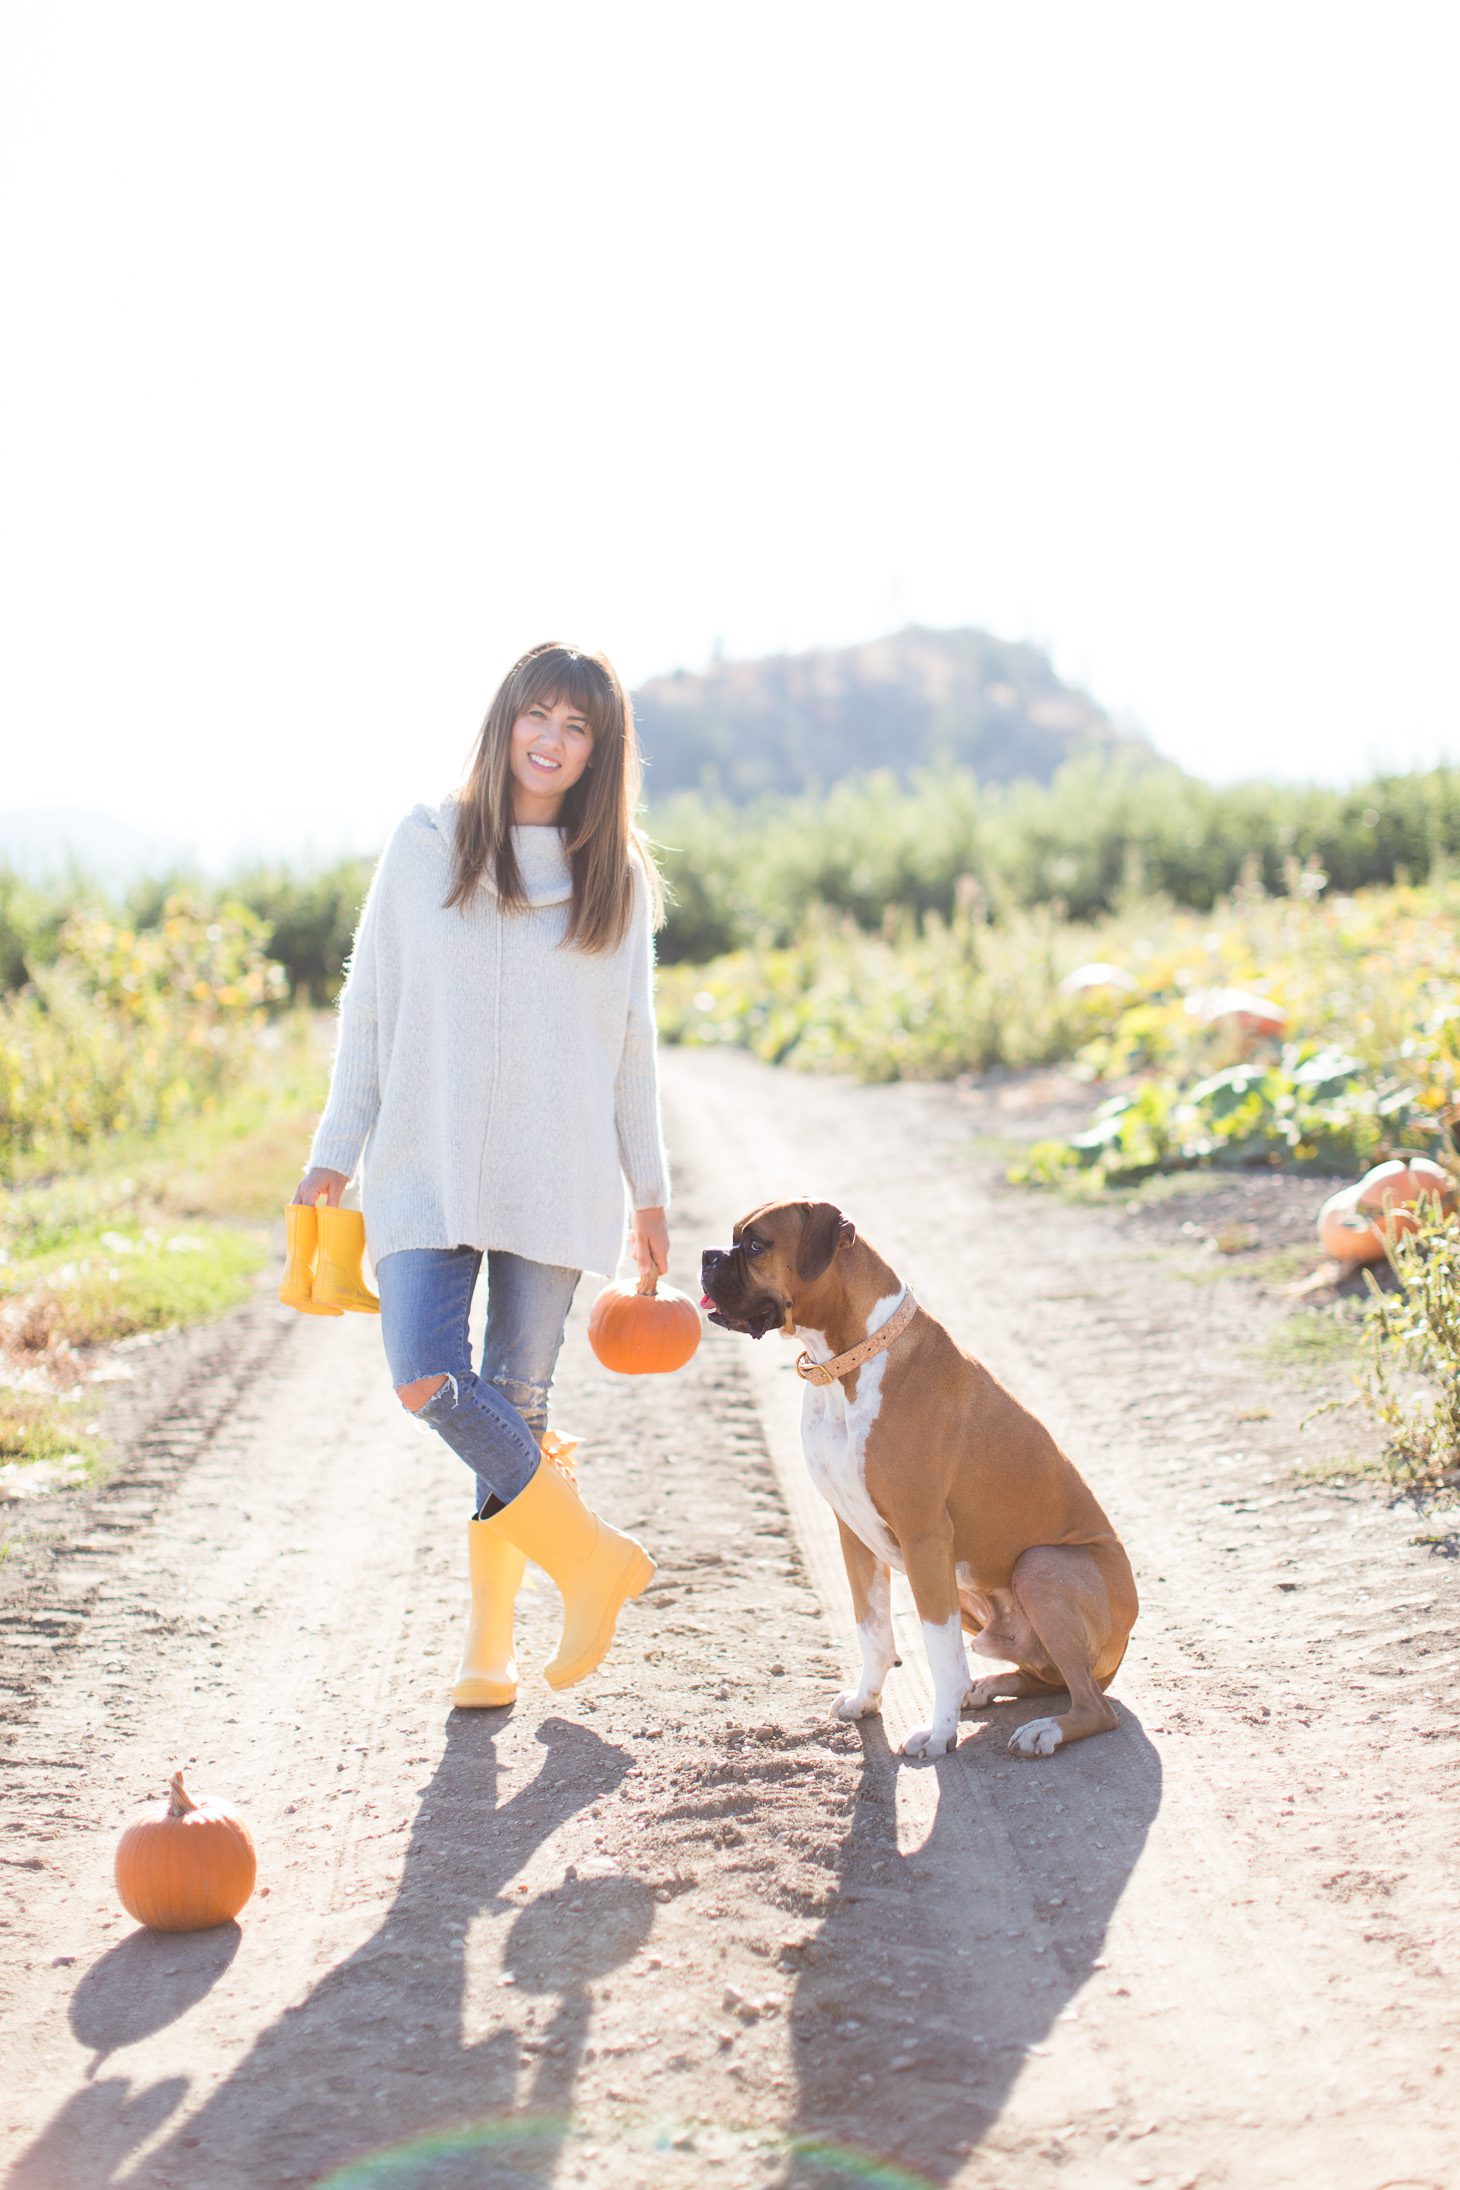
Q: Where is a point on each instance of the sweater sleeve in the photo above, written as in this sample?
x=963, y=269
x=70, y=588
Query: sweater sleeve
x=354, y=1096
x=636, y=1084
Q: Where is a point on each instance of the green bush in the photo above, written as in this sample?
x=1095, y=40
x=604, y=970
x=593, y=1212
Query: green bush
x=309, y=921
x=129, y=1029
x=32, y=916
x=306, y=920
x=1100, y=836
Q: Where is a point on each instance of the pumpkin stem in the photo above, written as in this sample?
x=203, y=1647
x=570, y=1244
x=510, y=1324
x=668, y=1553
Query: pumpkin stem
x=648, y=1282
x=179, y=1800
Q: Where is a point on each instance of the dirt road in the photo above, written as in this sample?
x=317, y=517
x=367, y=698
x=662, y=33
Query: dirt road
x=679, y=1927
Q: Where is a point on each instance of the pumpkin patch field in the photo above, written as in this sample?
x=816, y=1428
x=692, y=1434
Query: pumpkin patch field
x=679, y=1925
x=1309, y=1029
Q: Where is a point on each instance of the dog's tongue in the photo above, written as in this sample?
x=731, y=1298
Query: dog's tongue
x=705, y=1301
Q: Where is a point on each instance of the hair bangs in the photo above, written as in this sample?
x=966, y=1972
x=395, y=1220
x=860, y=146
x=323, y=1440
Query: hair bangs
x=556, y=674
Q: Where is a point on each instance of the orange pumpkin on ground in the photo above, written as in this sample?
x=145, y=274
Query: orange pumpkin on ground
x=1351, y=1223
x=643, y=1329
x=190, y=1868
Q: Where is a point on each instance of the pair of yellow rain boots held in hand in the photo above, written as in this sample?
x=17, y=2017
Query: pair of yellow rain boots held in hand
x=594, y=1566
x=322, y=1270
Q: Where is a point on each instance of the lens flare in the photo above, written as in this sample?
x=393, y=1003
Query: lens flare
x=403, y=2164
x=406, y=2165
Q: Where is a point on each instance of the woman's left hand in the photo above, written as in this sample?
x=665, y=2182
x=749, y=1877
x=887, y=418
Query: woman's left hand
x=649, y=1238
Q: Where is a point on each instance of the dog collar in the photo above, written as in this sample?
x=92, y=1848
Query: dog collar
x=827, y=1372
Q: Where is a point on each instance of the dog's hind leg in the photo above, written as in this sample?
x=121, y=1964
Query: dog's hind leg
x=1006, y=1688
x=1063, y=1593
x=1002, y=1630
x=872, y=1603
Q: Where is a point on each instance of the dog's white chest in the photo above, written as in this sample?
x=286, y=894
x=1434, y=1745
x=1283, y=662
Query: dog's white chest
x=834, y=1435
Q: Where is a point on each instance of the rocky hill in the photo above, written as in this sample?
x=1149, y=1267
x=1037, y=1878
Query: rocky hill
x=798, y=722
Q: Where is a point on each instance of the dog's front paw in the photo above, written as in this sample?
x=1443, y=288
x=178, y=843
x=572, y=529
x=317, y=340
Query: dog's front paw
x=931, y=1741
x=858, y=1703
x=1036, y=1738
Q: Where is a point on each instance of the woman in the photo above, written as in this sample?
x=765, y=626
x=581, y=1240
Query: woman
x=496, y=1070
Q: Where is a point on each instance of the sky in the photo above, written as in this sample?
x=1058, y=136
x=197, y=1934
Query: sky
x=352, y=350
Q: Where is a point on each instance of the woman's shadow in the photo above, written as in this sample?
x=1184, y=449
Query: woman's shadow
x=375, y=2061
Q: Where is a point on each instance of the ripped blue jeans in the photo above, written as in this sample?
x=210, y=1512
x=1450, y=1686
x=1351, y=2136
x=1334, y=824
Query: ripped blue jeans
x=493, y=1420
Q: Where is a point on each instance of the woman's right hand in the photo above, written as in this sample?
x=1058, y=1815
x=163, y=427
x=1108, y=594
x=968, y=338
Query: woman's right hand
x=319, y=1181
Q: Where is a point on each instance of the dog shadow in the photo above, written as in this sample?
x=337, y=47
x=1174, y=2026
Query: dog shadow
x=373, y=2076
x=934, y=1972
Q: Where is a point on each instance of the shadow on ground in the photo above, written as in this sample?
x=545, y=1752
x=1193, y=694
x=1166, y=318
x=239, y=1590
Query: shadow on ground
x=337, y=2091
x=935, y=1972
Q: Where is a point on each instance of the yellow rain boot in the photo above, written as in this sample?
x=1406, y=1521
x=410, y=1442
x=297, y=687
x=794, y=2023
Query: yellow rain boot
x=487, y=1674
x=594, y=1566
x=338, y=1282
x=301, y=1242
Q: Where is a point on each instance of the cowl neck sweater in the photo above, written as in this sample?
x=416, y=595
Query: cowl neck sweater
x=496, y=1087
x=542, y=862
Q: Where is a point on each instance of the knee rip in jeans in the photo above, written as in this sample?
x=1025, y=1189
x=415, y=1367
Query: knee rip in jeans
x=417, y=1396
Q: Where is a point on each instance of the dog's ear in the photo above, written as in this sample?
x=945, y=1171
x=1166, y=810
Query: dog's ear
x=824, y=1231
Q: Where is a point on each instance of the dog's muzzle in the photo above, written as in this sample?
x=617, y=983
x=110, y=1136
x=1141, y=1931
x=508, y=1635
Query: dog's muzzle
x=727, y=1300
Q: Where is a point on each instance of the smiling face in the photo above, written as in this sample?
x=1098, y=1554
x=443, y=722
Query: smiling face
x=551, y=748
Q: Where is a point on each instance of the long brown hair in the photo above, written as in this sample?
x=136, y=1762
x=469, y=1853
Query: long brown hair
x=597, y=813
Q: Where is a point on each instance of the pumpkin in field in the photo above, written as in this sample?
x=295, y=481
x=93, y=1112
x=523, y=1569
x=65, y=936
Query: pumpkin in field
x=187, y=1869
x=1098, y=979
x=1351, y=1223
x=1241, y=1009
x=643, y=1328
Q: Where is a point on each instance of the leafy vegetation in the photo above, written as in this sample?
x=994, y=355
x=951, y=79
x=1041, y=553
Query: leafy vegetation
x=1101, y=837
x=921, y=1000
x=129, y=1029
x=1372, y=982
x=1413, y=1336
x=1312, y=1108
x=1371, y=986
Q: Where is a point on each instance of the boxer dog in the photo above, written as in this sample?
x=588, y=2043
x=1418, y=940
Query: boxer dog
x=932, y=1467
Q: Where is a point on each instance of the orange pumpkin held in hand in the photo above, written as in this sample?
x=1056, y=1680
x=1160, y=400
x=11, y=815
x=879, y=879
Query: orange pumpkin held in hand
x=188, y=1869
x=640, y=1331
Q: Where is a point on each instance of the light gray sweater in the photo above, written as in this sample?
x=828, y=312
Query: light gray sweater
x=494, y=1082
